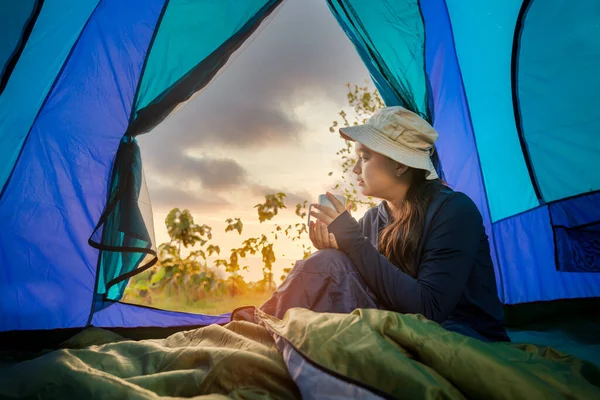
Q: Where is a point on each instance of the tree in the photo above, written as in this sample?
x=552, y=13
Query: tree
x=365, y=103
x=179, y=273
x=232, y=265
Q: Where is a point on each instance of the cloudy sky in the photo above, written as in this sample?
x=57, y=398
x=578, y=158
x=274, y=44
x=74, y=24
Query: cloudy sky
x=261, y=126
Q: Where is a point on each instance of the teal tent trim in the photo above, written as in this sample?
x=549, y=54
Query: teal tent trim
x=198, y=77
x=125, y=240
x=396, y=70
x=11, y=62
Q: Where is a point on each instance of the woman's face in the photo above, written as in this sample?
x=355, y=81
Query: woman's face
x=378, y=175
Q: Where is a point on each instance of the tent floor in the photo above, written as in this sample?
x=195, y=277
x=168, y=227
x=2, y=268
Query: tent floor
x=569, y=326
x=578, y=336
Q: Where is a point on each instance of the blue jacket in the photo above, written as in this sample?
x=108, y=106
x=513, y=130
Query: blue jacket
x=455, y=285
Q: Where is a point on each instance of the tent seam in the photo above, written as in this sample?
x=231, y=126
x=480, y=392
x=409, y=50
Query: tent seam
x=548, y=204
x=146, y=59
x=516, y=47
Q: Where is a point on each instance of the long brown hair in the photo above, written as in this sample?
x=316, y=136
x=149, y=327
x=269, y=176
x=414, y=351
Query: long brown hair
x=399, y=240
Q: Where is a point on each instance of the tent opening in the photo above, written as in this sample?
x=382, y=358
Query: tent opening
x=227, y=178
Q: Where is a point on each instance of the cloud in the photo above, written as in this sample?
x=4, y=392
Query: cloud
x=166, y=198
x=214, y=174
x=237, y=124
x=163, y=199
x=301, y=54
x=292, y=197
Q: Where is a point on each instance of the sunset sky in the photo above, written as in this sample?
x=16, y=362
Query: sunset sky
x=261, y=126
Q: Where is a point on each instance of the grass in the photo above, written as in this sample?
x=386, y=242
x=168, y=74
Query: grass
x=210, y=305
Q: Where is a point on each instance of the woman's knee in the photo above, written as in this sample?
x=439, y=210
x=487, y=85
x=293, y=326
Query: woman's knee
x=328, y=254
x=326, y=259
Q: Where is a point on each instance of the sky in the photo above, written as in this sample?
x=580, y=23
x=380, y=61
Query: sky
x=261, y=126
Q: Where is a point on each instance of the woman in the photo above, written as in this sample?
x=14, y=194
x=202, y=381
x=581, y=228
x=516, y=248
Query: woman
x=423, y=249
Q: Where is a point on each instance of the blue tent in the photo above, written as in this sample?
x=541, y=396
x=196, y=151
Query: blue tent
x=511, y=86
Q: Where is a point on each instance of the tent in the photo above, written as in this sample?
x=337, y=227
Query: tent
x=511, y=87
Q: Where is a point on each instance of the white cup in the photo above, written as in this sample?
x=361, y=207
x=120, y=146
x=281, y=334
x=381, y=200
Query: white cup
x=324, y=201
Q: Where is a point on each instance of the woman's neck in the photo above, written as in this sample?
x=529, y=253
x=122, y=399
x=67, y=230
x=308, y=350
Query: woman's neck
x=393, y=207
x=396, y=201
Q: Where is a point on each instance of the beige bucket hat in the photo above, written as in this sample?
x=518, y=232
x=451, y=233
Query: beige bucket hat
x=399, y=134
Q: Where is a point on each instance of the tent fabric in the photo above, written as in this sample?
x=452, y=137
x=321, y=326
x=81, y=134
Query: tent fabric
x=58, y=189
x=485, y=60
x=527, y=246
x=56, y=29
x=125, y=241
x=390, y=38
x=205, y=25
x=16, y=23
x=115, y=314
x=576, y=227
x=74, y=218
x=559, y=102
x=13, y=22
x=528, y=262
x=452, y=117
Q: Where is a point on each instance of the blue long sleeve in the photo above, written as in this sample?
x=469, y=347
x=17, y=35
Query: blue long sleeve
x=450, y=247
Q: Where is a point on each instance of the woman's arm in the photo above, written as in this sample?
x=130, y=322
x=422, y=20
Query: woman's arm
x=450, y=249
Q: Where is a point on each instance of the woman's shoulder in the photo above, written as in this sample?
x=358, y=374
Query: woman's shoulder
x=454, y=202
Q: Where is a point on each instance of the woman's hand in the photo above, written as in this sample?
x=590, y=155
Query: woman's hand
x=318, y=233
x=320, y=237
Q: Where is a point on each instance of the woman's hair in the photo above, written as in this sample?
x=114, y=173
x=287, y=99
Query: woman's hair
x=399, y=240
